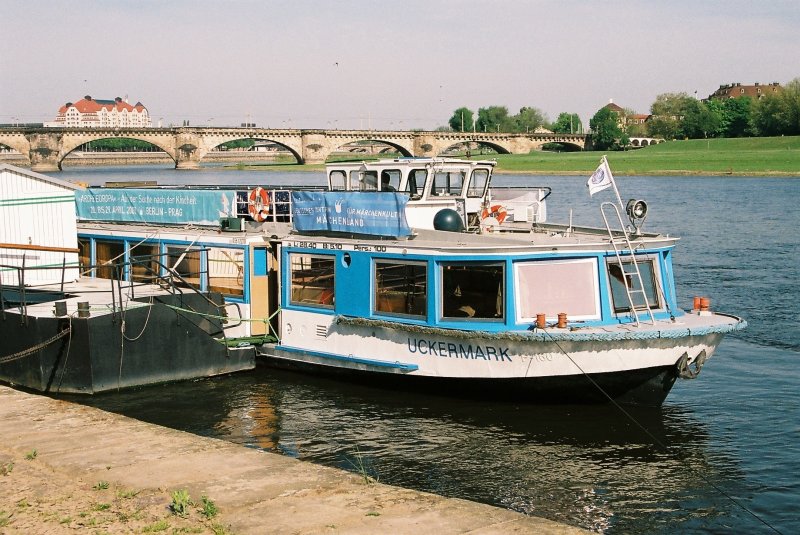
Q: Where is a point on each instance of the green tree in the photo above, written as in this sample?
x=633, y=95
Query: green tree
x=779, y=114
x=699, y=120
x=606, y=132
x=567, y=123
x=529, y=119
x=494, y=119
x=462, y=120
x=735, y=120
x=669, y=110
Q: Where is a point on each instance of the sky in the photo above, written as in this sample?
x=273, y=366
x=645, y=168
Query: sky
x=382, y=64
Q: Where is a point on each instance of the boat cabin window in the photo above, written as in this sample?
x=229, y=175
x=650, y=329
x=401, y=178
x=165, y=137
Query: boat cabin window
x=390, y=180
x=312, y=280
x=186, y=264
x=85, y=255
x=338, y=180
x=109, y=253
x=478, y=182
x=473, y=290
x=415, y=186
x=401, y=288
x=620, y=278
x=552, y=287
x=226, y=271
x=144, y=258
x=364, y=180
x=447, y=183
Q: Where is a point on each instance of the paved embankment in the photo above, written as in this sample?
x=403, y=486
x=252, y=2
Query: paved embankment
x=64, y=466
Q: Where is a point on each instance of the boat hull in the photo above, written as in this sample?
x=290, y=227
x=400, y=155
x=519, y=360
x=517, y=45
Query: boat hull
x=158, y=343
x=645, y=387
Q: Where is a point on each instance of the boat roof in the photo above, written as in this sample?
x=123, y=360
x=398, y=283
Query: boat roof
x=411, y=162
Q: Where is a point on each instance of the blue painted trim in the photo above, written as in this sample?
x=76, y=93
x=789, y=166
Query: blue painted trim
x=356, y=360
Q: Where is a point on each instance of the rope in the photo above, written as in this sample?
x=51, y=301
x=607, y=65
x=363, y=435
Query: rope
x=539, y=336
x=37, y=347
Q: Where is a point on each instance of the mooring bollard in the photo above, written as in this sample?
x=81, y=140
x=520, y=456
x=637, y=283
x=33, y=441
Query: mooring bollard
x=83, y=310
x=60, y=308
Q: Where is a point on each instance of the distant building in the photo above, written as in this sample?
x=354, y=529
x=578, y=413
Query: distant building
x=623, y=118
x=738, y=90
x=94, y=113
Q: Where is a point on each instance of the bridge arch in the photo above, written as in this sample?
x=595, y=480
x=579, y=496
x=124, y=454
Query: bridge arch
x=292, y=150
x=71, y=144
x=388, y=144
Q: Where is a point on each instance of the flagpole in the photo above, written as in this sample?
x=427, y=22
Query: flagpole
x=614, y=183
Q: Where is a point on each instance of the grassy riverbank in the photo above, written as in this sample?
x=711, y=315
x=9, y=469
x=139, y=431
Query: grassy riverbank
x=742, y=156
x=776, y=156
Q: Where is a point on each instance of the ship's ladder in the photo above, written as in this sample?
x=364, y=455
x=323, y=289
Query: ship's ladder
x=628, y=266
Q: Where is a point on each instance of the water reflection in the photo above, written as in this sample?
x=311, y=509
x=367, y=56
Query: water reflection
x=585, y=465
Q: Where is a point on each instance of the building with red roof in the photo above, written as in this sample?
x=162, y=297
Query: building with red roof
x=95, y=113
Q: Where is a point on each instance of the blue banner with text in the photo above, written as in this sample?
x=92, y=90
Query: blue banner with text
x=372, y=213
x=160, y=206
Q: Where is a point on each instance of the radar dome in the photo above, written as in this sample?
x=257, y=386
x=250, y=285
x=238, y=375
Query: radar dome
x=449, y=220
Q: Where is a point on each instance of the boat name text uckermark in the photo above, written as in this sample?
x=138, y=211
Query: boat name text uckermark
x=458, y=351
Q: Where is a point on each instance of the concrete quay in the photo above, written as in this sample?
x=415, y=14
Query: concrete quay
x=67, y=467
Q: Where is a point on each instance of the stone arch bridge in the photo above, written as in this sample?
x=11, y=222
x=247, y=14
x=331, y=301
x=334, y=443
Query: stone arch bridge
x=47, y=147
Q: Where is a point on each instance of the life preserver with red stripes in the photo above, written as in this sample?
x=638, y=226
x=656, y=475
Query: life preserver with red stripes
x=497, y=211
x=258, y=204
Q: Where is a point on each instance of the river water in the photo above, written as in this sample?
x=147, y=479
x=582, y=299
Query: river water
x=721, y=455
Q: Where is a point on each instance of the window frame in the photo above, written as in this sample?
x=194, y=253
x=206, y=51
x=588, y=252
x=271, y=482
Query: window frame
x=376, y=287
x=654, y=279
x=316, y=302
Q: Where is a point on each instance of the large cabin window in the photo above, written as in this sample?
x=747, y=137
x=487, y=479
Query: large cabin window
x=550, y=287
x=312, y=280
x=401, y=288
x=447, y=183
x=477, y=183
x=85, y=255
x=109, y=253
x=226, y=271
x=473, y=290
x=415, y=187
x=144, y=262
x=619, y=278
x=185, y=263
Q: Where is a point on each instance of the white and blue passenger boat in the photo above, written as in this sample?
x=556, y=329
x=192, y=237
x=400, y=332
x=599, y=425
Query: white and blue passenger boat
x=531, y=311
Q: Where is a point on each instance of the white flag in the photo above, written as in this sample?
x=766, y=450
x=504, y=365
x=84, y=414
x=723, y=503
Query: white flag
x=600, y=179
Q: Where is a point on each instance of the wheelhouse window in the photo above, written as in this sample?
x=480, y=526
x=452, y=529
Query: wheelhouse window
x=477, y=183
x=624, y=277
x=338, y=180
x=364, y=180
x=447, y=183
x=401, y=288
x=312, y=280
x=473, y=290
x=551, y=287
x=415, y=187
x=390, y=180
x=226, y=271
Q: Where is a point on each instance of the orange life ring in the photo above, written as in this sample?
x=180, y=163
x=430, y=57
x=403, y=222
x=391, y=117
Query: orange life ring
x=498, y=212
x=258, y=204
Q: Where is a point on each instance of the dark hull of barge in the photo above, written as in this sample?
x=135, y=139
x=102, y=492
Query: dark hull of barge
x=157, y=344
